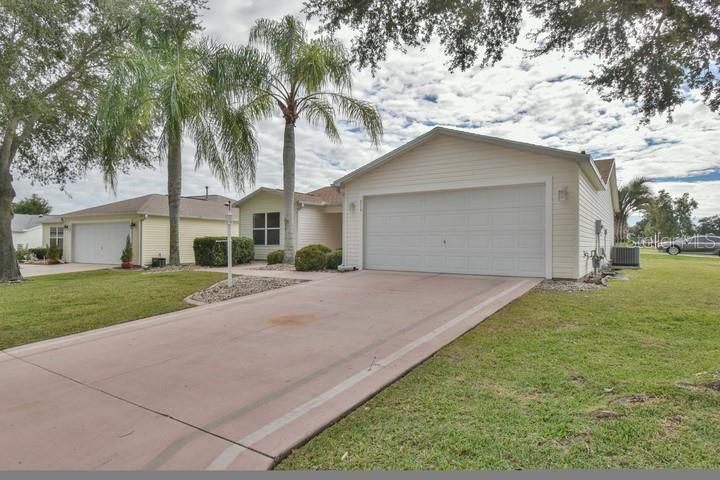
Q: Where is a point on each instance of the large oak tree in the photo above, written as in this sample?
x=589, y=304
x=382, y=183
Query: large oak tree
x=53, y=61
x=647, y=51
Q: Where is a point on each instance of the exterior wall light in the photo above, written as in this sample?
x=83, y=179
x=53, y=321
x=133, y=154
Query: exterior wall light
x=563, y=194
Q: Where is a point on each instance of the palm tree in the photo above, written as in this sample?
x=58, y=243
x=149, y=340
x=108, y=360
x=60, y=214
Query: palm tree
x=310, y=79
x=633, y=197
x=168, y=86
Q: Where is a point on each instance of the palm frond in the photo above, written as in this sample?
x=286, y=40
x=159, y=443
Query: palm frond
x=363, y=114
x=319, y=111
x=123, y=126
x=279, y=38
x=323, y=64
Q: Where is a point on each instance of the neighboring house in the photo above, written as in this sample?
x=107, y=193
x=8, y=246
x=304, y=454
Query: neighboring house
x=27, y=230
x=97, y=234
x=457, y=202
x=318, y=219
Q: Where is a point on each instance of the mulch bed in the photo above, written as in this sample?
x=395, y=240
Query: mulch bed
x=279, y=267
x=242, y=286
x=567, y=286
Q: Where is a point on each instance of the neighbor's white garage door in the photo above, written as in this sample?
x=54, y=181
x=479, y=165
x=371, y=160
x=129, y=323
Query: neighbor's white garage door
x=487, y=231
x=99, y=242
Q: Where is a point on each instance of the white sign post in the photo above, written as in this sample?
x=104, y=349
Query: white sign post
x=229, y=217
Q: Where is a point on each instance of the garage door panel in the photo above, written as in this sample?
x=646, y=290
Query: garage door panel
x=491, y=231
x=99, y=242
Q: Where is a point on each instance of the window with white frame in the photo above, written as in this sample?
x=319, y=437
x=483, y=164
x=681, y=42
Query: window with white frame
x=266, y=228
x=56, y=237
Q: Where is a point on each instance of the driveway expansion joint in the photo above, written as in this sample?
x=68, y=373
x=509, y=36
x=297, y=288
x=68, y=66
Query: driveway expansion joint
x=138, y=405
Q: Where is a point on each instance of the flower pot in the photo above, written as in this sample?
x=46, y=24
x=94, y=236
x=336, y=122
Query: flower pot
x=52, y=261
x=127, y=265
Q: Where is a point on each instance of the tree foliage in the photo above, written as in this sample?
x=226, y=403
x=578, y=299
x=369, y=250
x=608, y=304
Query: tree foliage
x=32, y=205
x=646, y=51
x=667, y=217
x=709, y=225
x=53, y=61
x=683, y=208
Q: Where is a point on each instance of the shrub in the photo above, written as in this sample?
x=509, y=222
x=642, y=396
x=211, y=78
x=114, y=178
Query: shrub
x=276, y=256
x=333, y=259
x=39, y=252
x=126, y=255
x=54, y=253
x=320, y=247
x=311, y=258
x=21, y=254
x=211, y=253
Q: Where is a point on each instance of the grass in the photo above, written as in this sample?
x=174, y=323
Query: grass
x=524, y=389
x=56, y=305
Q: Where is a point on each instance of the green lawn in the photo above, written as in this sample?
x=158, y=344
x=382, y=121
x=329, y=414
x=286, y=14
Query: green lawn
x=55, y=305
x=524, y=390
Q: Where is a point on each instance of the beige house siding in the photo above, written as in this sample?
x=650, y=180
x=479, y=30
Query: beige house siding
x=317, y=226
x=263, y=202
x=593, y=205
x=156, y=236
x=447, y=162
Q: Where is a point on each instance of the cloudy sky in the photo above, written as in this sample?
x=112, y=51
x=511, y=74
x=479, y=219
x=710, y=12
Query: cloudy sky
x=542, y=101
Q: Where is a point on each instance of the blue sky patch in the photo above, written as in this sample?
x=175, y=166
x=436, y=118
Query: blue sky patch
x=704, y=176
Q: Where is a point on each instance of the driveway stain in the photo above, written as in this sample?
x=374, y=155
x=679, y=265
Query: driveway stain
x=293, y=320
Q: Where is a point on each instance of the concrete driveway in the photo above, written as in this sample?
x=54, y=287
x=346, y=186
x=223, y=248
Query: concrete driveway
x=34, y=270
x=234, y=385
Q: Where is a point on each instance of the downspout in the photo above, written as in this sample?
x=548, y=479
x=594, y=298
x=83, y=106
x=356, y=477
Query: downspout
x=140, y=240
x=300, y=205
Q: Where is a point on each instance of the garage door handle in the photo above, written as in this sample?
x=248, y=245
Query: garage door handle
x=444, y=242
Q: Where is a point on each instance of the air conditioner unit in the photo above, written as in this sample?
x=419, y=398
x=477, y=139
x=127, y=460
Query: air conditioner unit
x=625, y=256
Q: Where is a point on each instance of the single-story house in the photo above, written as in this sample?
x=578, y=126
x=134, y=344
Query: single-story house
x=98, y=234
x=26, y=230
x=456, y=202
x=318, y=219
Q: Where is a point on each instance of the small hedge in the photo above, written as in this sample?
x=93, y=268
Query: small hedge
x=21, y=254
x=317, y=257
x=311, y=258
x=319, y=246
x=211, y=253
x=54, y=253
x=333, y=259
x=276, y=256
x=39, y=252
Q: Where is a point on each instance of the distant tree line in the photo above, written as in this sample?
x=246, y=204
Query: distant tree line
x=662, y=214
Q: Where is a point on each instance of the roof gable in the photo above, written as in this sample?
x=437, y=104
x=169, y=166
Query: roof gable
x=605, y=166
x=325, y=196
x=422, y=139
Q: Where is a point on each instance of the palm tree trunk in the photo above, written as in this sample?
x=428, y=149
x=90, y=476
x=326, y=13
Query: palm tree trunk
x=174, y=192
x=619, y=228
x=289, y=191
x=9, y=268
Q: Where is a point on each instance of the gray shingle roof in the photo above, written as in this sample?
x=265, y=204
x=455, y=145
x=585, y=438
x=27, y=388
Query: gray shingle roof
x=157, y=204
x=22, y=222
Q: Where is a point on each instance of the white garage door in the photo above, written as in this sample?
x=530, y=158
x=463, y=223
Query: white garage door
x=485, y=231
x=99, y=242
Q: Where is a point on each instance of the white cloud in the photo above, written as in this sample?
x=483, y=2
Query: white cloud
x=542, y=100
